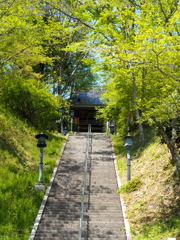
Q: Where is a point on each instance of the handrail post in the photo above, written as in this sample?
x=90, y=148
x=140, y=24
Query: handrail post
x=84, y=183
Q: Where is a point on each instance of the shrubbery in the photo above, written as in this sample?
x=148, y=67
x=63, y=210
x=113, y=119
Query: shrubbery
x=130, y=186
x=30, y=100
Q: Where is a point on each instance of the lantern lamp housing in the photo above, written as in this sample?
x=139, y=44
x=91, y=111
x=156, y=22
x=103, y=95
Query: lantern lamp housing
x=41, y=140
x=128, y=141
x=62, y=110
x=72, y=113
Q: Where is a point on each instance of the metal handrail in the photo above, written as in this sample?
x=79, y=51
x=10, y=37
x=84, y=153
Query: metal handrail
x=84, y=183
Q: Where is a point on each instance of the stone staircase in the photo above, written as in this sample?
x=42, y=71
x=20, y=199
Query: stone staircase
x=105, y=213
x=60, y=220
x=103, y=218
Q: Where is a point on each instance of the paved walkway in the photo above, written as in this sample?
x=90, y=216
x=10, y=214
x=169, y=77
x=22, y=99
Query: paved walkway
x=103, y=213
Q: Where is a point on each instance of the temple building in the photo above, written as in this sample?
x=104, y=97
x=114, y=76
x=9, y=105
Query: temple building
x=84, y=107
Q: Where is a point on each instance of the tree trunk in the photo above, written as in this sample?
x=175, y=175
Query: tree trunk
x=170, y=144
x=141, y=129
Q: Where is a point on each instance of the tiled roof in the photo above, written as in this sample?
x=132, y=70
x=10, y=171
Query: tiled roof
x=91, y=97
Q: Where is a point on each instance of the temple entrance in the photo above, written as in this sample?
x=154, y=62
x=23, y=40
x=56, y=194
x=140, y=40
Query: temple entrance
x=84, y=107
x=84, y=116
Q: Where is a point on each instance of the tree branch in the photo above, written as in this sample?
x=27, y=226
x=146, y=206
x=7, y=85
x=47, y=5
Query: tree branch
x=15, y=54
x=167, y=74
x=79, y=20
x=4, y=13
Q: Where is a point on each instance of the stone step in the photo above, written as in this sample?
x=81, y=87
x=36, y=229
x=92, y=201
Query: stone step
x=104, y=215
x=106, y=238
x=96, y=191
x=116, y=220
x=66, y=230
x=100, y=233
x=105, y=233
x=62, y=201
x=66, y=222
x=65, y=193
x=67, y=197
x=68, y=206
x=61, y=228
x=103, y=209
x=98, y=197
x=98, y=219
x=60, y=216
x=105, y=167
x=104, y=201
x=61, y=234
x=58, y=238
x=104, y=181
x=55, y=223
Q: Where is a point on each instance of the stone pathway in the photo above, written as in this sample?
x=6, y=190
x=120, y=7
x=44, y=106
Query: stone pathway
x=103, y=218
x=105, y=213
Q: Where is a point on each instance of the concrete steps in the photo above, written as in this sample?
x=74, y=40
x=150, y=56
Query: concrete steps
x=60, y=218
x=103, y=217
x=105, y=214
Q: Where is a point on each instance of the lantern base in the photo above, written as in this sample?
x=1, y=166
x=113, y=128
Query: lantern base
x=40, y=187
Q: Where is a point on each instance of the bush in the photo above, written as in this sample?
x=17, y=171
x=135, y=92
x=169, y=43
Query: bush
x=130, y=186
x=32, y=101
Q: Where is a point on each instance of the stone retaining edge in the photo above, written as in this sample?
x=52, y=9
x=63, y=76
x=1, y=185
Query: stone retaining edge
x=126, y=222
x=41, y=209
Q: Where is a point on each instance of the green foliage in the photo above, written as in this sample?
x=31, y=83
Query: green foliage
x=152, y=210
x=22, y=33
x=121, y=165
x=19, y=161
x=137, y=47
x=30, y=100
x=19, y=202
x=166, y=228
x=34, y=38
x=120, y=151
x=130, y=186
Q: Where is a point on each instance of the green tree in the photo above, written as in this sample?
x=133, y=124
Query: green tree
x=137, y=43
x=68, y=72
x=33, y=37
x=30, y=100
x=22, y=32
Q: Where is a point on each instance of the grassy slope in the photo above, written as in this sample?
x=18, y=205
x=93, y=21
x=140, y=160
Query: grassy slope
x=154, y=209
x=19, y=160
